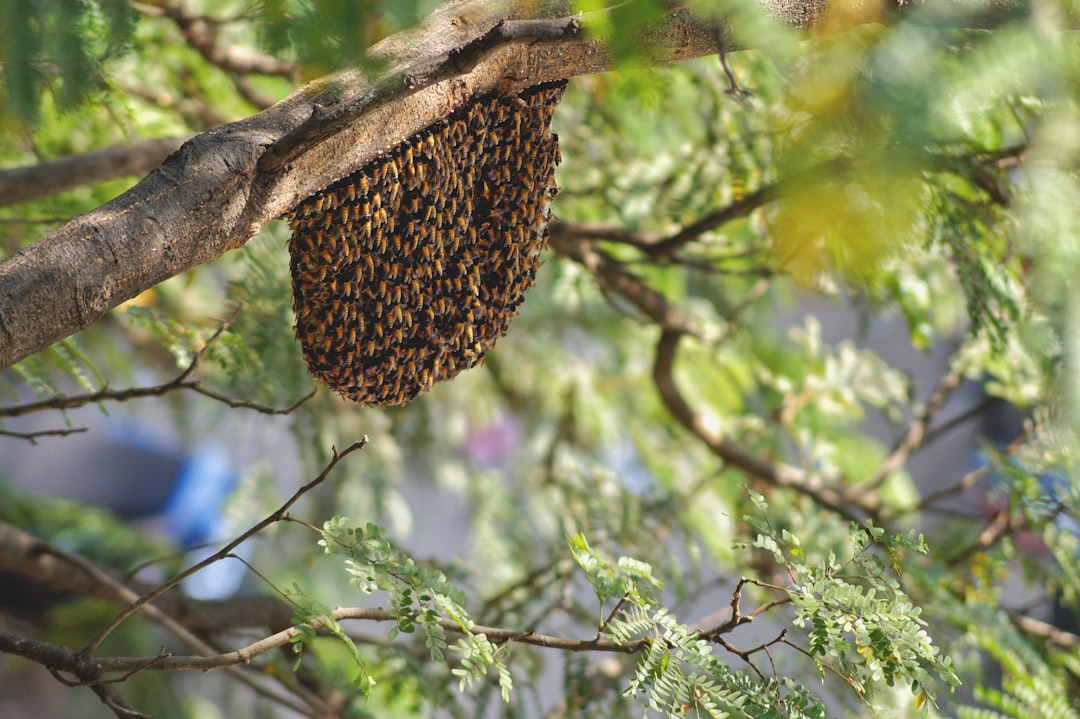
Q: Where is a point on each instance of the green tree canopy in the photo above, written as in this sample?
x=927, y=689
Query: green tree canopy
x=675, y=487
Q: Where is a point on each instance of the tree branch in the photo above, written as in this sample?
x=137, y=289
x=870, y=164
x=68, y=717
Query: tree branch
x=35, y=182
x=180, y=382
x=202, y=34
x=778, y=473
x=32, y=437
x=911, y=441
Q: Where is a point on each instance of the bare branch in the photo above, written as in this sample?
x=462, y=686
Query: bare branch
x=30, y=556
x=615, y=277
x=911, y=441
x=32, y=437
x=180, y=382
x=1044, y=631
x=737, y=618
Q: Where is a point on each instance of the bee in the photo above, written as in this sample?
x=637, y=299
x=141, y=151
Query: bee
x=413, y=210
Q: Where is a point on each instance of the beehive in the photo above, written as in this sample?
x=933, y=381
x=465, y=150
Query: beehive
x=407, y=271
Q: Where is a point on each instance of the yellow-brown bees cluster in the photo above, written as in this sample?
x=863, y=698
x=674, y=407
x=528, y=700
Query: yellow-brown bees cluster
x=407, y=271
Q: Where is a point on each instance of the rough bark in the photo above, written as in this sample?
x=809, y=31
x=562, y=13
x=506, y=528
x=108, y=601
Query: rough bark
x=213, y=194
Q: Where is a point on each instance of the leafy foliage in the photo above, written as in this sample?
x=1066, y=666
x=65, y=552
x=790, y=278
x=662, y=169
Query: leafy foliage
x=917, y=175
x=68, y=40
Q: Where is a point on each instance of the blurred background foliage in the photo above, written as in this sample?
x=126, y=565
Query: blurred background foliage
x=902, y=174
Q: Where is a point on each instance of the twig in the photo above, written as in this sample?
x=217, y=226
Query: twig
x=614, y=276
x=181, y=381
x=911, y=441
x=973, y=477
x=745, y=654
x=32, y=437
x=848, y=680
x=202, y=34
x=954, y=422
x=656, y=245
x=740, y=94
x=1044, y=631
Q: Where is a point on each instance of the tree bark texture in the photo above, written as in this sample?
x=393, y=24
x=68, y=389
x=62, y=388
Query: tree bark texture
x=222, y=186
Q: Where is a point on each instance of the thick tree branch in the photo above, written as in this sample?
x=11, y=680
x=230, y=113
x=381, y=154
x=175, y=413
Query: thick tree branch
x=34, y=182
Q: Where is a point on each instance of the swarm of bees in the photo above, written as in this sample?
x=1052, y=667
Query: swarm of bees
x=407, y=271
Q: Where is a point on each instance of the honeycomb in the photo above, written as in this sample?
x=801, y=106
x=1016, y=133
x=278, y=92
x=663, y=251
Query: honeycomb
x=407, y=271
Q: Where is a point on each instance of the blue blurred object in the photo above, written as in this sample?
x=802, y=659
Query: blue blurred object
x=125, y=468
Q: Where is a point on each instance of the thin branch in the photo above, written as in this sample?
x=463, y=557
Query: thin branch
x=972, y=478
x=615, y=277
x=911, y=441
x=715, y=219
x=966, y=416
x=277, y=516
x=1044, y=631
x=64, y=659
x=32, y=437
x=778, y=474
x=656, y=245
x=180, y=382
x=737, y=618
x=745, y=654
x=203, y=35
x=30, y=556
